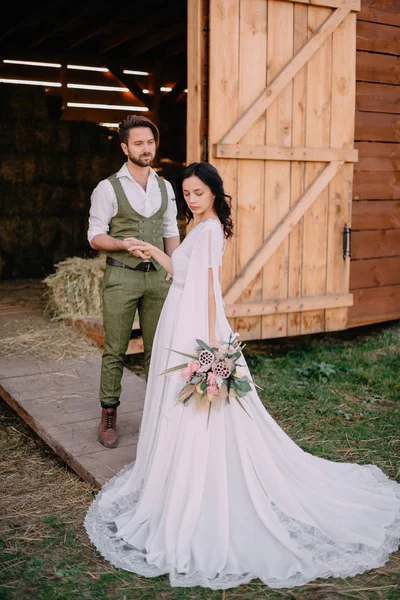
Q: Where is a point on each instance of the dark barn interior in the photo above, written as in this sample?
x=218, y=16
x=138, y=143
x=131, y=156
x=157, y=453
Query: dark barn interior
x=58, y=120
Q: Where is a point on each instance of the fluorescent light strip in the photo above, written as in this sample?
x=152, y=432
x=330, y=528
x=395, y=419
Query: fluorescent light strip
x=30, y=82
x=106, y=88
x=84, y=68
x=32, y=63
x=128, y=72
x=107, y=106
x=165, y=89
x=109, y=124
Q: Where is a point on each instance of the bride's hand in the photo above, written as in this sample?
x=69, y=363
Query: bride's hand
x=214, y=343
x=144, y=249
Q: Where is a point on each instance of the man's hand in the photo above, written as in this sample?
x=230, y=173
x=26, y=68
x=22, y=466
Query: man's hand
x=144, y=249
x=129, y=243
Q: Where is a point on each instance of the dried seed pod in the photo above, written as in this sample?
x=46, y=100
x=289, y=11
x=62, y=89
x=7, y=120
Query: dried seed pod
x=222, y=370
x=206, y=358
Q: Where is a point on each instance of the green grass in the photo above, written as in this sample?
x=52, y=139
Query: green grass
x=337, y=396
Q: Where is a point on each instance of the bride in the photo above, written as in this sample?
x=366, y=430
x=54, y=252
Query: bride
x=219, y=501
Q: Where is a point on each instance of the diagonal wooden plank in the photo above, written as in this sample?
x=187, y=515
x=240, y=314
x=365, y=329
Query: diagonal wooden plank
x=272, y=91
x=281, y=231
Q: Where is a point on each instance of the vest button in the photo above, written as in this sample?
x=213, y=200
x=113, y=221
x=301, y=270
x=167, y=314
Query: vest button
x=154, y=239
x=153, y=221
x=154, y=231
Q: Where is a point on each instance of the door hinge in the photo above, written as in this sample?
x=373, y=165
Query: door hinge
x=346, y=241
x=205, y=149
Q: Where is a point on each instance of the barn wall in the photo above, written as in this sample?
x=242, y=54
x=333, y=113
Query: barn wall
x=48, y=169
x=375, y=264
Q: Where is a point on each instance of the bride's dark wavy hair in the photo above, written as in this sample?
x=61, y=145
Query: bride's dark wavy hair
x=210, y=176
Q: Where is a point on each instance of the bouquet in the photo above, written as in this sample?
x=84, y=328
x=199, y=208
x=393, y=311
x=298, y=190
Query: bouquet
x=214, y=376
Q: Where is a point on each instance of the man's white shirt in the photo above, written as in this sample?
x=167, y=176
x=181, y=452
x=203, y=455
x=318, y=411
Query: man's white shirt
x=104, y=205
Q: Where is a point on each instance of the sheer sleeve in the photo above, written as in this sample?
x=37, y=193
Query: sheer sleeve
x=205, y=255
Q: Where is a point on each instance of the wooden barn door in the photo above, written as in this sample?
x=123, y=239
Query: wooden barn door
x=281, y=104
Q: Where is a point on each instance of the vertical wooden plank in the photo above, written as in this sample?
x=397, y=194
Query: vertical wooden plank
x=224, y=106
x=298, y=168
x=277, y=173
x=318, y=120
x=249, y=224
x=342, y=134
x=196, y=58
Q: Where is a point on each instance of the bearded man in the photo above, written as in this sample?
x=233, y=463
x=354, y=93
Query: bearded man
x=133, y=204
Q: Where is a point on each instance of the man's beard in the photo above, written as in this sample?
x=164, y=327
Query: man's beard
x=142, y=161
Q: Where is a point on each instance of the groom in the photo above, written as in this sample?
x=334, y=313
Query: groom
x=133, y=204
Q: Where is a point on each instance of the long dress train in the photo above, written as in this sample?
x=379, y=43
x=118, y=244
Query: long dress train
x=218, y=506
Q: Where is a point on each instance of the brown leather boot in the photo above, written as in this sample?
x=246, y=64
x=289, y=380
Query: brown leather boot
x=108, y=428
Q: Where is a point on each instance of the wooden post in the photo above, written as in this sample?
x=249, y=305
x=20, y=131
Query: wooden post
x=197, y=76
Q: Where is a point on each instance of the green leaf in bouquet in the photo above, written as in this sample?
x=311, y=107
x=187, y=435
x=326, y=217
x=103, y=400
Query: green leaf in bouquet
x=240, y=393
x=204, y=346
x=209, y=414
x=183, y=366
x=203, y=386
x=194, y=356
x=242, y=384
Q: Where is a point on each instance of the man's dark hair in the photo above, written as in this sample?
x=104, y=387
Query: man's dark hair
x=136, y=121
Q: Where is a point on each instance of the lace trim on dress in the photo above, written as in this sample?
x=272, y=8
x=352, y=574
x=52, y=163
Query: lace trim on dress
x=331, y=558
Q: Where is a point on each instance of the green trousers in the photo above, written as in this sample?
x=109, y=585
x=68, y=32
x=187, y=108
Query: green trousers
x=124, y=292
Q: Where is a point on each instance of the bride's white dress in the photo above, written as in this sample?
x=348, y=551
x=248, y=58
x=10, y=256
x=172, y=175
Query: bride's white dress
x=218, y=506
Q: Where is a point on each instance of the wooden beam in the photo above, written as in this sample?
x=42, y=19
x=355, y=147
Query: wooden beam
x=53, y=28
x=280, y=232
x=284, y=153
x=351, y=4
x=131, y=84
x=288, y=305
x=94, y=28
x=197, y=58
x=159, y=37
x=272, y=91
x=178, y=88
x=144, y=25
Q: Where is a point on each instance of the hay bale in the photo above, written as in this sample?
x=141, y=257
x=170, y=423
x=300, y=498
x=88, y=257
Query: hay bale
x=74, y=289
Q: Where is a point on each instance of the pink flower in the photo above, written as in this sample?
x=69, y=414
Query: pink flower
x=194, y=366
x=212, y=390
x=187, y=374
x=212, y=378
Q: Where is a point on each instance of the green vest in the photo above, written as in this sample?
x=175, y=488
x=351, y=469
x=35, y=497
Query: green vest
x=128, y=223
